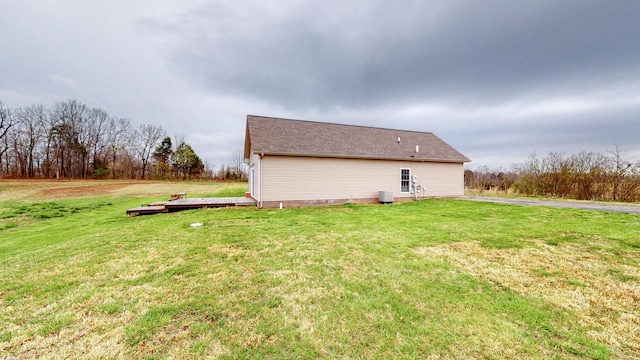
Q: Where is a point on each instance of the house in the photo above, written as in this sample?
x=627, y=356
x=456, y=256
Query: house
x=298, y=163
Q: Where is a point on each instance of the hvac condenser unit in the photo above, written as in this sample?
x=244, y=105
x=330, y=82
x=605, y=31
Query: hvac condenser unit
x=385, y=197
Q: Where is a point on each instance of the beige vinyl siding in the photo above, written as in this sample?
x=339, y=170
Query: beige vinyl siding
x=308, y=178
x=440, y=179
x=254, y=182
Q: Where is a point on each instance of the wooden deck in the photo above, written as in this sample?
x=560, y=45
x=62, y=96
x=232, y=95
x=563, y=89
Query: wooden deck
x=192, y=203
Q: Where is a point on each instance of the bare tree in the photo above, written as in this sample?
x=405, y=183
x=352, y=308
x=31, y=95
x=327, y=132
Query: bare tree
x=97, y=124
x=239, y=167
x=120, y=135
x=148, y=136
x=619, y=167
x=582, y=176
x=179, y=139
x=49, y=149
x=6, y=122
x=71, y=139
x=622, y=169
x=28, y=133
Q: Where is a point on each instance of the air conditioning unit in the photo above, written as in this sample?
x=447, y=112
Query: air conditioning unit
x=385, y=197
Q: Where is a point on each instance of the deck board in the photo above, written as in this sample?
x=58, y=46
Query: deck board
x=147, y=210
x=190, y=203
x=209, y=202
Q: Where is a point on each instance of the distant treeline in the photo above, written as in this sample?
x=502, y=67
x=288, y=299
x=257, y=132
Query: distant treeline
x=585, y=176
x=72, y=140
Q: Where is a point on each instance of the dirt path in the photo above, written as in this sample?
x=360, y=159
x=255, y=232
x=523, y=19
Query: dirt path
x=623, y=208
x=40, y=190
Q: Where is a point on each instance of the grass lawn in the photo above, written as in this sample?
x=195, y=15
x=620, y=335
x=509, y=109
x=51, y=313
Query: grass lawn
x=434, y=279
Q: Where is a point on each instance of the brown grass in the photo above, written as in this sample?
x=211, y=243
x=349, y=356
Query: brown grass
x=38, y=190
x=570, y=276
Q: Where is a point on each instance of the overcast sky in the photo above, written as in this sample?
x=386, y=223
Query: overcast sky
x=498, y=80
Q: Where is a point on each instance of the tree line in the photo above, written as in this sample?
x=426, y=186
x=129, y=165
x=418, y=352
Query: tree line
x=613, y=176
x=71, y=140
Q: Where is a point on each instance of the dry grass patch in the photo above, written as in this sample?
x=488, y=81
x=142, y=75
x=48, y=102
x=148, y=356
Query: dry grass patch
x=39, y=190
x=570, y=276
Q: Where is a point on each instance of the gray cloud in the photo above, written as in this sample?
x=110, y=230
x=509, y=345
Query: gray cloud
x=357, y=55
x=499, y=80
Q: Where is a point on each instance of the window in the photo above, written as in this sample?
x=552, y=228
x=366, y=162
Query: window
x=404, y=180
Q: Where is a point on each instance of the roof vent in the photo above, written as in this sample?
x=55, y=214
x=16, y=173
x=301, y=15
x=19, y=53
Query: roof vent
x=417, y=148
x=398, y=139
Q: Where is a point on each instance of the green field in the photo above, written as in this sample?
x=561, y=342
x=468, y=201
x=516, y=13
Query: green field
x=434, y=279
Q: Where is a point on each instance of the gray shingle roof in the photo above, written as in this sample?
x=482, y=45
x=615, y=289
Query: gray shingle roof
x=275, y=136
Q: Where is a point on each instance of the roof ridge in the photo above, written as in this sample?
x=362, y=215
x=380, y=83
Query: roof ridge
x=339, y=124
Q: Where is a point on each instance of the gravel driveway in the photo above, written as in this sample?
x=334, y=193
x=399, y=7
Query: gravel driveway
x=585, y=205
